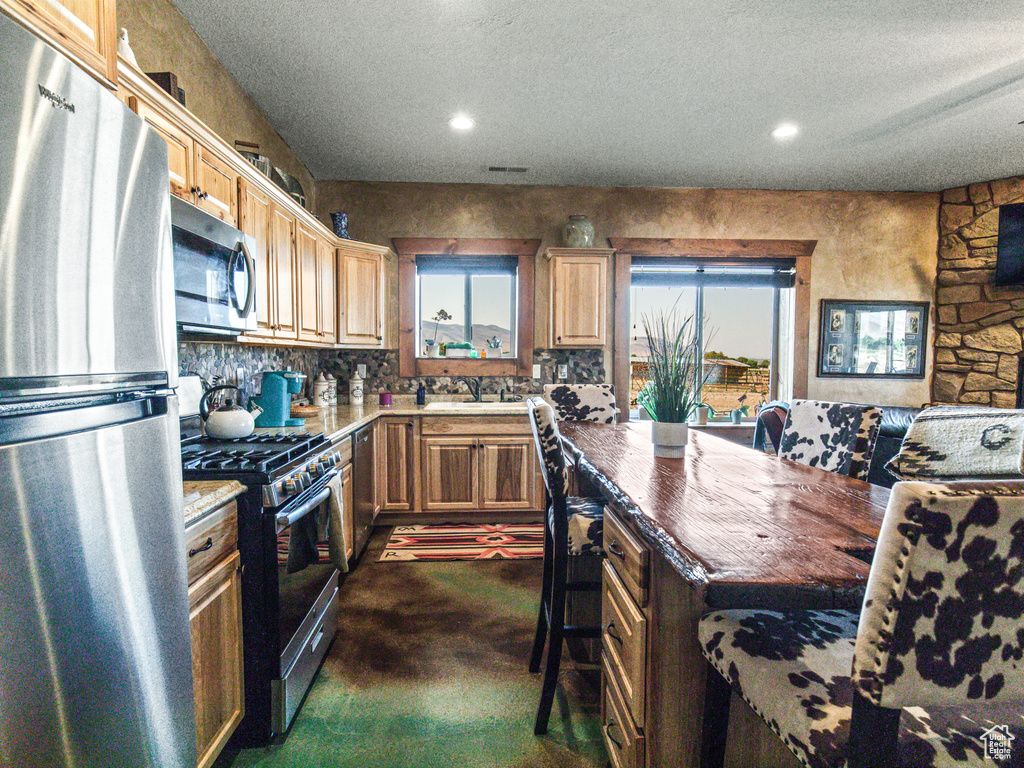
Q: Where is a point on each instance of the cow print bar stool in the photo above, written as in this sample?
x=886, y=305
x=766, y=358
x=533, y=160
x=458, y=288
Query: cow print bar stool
x=931, y=673
x=582, y=402
x=838, y=437
x=573, y=528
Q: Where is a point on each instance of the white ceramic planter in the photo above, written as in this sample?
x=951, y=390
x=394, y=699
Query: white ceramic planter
x=669, y=439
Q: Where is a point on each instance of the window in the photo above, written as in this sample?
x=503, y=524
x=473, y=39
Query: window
x=485, y=285
x=467, y=300
x=746, y=336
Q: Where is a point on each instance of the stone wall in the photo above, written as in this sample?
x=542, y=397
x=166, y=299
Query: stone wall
x=978, y=328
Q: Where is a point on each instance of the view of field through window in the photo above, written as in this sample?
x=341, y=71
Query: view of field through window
x=737, y=340
x=488, y=306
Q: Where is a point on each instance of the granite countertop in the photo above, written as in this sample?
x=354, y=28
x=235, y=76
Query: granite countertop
x=343, y=420
x=204, y=496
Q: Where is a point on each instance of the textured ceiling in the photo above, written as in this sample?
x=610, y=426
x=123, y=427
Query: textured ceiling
x=899, y=95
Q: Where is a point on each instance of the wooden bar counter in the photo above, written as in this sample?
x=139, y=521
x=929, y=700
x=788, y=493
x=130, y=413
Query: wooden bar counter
x=726, y=526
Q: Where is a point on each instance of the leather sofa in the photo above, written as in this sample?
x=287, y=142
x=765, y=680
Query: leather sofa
x=896, y=421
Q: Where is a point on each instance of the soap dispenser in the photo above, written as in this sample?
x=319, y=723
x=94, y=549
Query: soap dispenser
x=421, y=395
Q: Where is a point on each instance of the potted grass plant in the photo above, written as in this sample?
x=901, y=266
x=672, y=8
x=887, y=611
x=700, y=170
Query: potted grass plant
x=671, y=394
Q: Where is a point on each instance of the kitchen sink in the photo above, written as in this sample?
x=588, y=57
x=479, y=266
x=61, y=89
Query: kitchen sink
x=462, y=405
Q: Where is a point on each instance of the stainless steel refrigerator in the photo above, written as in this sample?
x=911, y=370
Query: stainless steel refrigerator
x=95, y=653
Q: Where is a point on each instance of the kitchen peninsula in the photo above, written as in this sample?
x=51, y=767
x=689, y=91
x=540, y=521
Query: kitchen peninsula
x=724, y=527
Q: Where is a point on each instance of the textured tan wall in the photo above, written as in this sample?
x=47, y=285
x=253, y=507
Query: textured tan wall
x=163, y=41
x=870, y=245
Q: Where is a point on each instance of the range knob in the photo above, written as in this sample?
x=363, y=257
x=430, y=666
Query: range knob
x=316, y=469
x=292, y=485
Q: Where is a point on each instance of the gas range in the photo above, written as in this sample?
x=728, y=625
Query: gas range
x=283, y=464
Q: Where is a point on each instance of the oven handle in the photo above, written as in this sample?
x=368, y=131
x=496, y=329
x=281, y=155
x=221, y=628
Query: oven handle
x=284, y=519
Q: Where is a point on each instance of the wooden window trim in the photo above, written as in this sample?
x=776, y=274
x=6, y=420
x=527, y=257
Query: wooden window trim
x=408, y=248
x=722, y=250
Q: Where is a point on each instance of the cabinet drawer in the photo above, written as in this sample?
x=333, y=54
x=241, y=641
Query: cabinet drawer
x=475, y=425
x=628, y=557
x=211, y=539
x=623, y=740
x=624, y=640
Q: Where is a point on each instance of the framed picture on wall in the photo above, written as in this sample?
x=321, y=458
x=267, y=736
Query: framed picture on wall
x=873, y=339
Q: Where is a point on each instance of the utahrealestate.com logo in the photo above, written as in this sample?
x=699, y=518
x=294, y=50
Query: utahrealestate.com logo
x=998, y=742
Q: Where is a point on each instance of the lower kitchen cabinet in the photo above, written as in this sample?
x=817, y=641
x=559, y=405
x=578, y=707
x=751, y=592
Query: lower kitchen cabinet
x=395, y=450
x=472, y=463
x=215, y=617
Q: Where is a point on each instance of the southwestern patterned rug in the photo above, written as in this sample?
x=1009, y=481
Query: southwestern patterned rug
x=465, y=542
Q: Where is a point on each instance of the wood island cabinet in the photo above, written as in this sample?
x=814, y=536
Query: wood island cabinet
x=85, y=30
x=215, y=618
x=579, y=296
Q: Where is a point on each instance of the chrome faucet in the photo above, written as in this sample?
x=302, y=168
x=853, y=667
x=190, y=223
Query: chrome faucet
x=474, y=386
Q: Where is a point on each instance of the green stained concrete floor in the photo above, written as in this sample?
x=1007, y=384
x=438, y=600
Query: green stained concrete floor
x=429, y=670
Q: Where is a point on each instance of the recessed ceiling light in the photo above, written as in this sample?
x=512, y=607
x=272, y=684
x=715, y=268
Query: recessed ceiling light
x=461, y=123
x=785, y=131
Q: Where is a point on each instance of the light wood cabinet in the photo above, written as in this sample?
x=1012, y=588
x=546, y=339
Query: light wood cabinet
x=361, y=297
x=317, y=291
x=198, y=174
x=85, y=30
x=348, y=510
x=254, y=220
x=284, y=298
x=328, y=299
x=508, y=475
x=395, y=450
x=215, y=618
x=579, y=296
x=450, y=472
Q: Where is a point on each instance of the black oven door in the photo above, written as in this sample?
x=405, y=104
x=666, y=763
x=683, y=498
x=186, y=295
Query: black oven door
x=304, y=567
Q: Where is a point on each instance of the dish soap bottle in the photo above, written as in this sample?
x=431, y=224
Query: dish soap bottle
x=421, y=395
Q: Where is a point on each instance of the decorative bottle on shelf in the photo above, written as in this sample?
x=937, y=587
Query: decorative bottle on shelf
x=355, y=390
x=339, y=219
x=578, y=232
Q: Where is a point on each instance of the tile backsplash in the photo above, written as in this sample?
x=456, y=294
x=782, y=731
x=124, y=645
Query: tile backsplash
x=220, y=361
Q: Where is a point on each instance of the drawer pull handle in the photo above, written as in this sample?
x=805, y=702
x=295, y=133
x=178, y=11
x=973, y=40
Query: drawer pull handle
x=608, y=733
x=206, y=546
x=614, y=548
x=610, y=631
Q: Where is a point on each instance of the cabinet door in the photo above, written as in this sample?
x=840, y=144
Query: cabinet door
x=282, y=242
x=215, y=181
x=450, y=469
x=180, y=150
x=309, y=280
x=215, y=615
x=86, y=29
x=326, y=265
x=254, y=220
x=578, y=285
x=361, y=298
x=395, y=449
x=507, y=473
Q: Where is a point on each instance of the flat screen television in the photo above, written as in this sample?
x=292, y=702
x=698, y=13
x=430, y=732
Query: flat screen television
x=1010, y=248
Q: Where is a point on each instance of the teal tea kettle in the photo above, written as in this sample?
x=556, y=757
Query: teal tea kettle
x=275, y=399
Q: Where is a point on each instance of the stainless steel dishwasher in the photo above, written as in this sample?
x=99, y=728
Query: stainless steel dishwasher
x=362, y=488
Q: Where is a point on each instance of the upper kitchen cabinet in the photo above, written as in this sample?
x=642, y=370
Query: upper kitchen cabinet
x=327, y=270
x=578, y=290
x=317, y=291
x=84, y=30
x=198, y=174
x=361, y=295
x=254, y=210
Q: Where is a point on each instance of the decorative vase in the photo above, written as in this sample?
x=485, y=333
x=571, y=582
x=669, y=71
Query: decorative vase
x=737, y=416
x=432, y=350
x=340, y=221
x=578, y=232
x=702, y=415
x=669, y=439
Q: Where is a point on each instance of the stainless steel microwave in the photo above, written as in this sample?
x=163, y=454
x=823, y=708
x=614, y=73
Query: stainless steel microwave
x=214, y=273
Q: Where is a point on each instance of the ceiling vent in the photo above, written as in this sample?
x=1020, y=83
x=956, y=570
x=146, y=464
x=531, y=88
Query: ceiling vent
x=507, y=169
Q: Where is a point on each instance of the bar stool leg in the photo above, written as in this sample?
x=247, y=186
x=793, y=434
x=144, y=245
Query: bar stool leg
x=545, y=604
x=717, y=695
x=556, y=625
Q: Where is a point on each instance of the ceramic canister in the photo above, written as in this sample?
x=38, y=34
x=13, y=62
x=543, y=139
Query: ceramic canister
x=355, y=390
